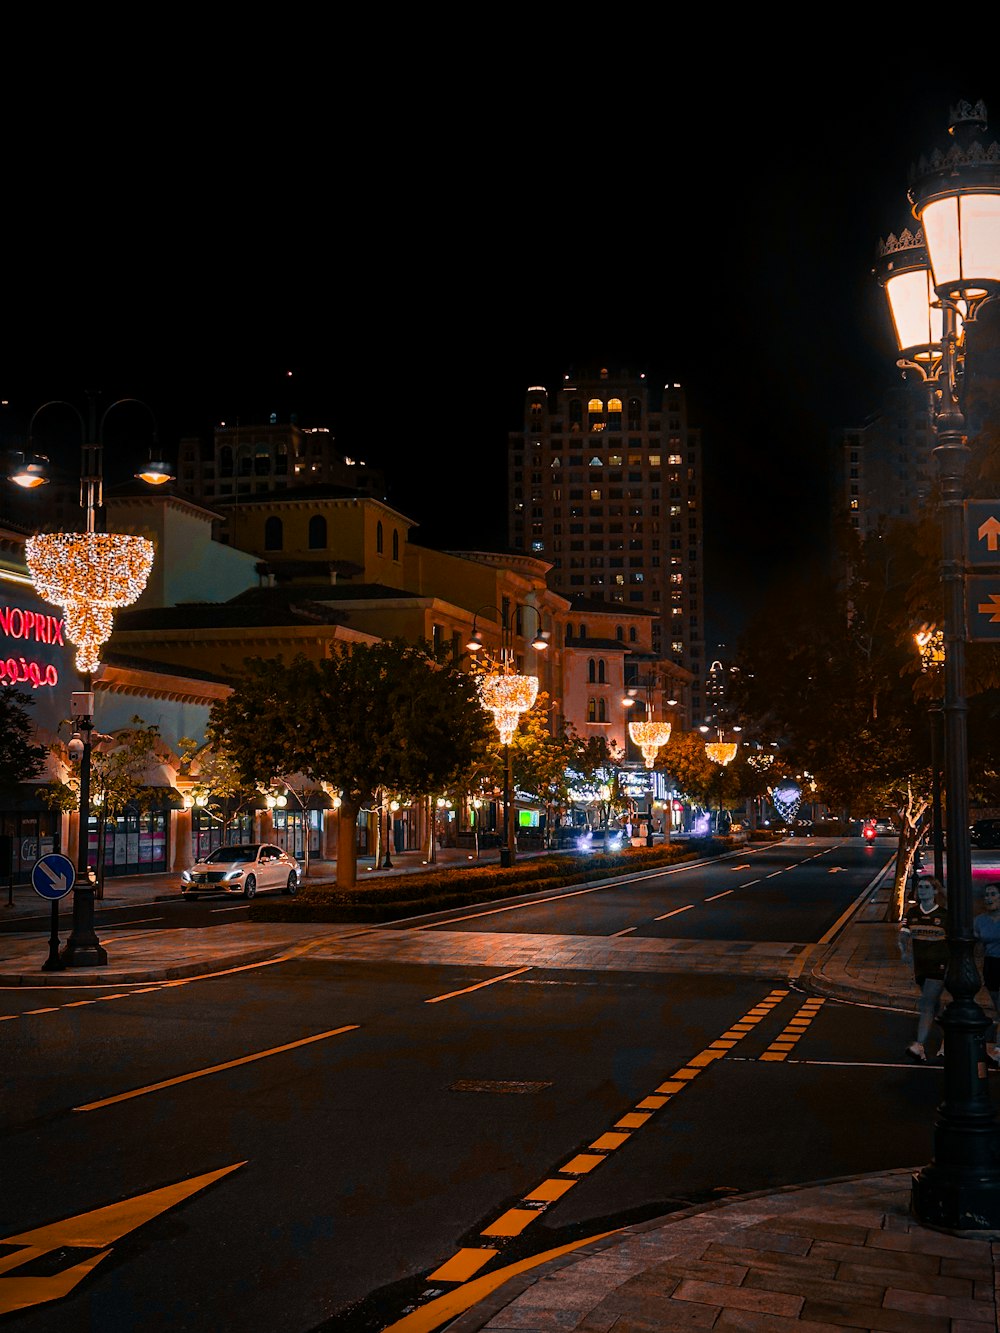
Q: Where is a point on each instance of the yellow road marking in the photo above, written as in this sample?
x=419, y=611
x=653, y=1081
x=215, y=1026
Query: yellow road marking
x=490, y=981
x=461, y=1266
x=512, y=1222
x=784, y=1043
x=609, y=1141
x=435, y=1313
x=581, y=1164
x=215, y=1069
x=549, y=1190
x=29, y=1012
x=97, y=1230
x=719, y=895
x=674, y=912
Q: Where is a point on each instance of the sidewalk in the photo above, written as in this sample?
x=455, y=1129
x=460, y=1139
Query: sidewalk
x=828, y=1255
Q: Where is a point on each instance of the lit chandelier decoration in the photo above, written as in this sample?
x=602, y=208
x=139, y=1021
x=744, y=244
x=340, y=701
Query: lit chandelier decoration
x=88, y=574
x=761, y=760
x=721, y=752
x=507, y=695
x=649, y=736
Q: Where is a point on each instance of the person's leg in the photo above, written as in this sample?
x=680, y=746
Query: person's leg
x=930, y=1004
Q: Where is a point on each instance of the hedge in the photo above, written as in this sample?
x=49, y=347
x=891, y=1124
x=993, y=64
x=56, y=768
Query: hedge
x=412, y=894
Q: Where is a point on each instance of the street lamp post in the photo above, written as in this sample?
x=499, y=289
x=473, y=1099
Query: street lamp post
x=87, y=574
x=650, y=736
x=721, y=752
x=935, y=282
x=507, y=694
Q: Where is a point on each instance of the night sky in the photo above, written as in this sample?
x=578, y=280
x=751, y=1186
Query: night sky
x=419, y=237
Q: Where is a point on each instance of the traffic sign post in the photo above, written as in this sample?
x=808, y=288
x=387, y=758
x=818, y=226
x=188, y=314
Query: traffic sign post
x=52, y=877
x=982, y=532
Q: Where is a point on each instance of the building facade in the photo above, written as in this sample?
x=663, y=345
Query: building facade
x=605, y=483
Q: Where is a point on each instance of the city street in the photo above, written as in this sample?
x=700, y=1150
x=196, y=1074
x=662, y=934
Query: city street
x=322, y=1142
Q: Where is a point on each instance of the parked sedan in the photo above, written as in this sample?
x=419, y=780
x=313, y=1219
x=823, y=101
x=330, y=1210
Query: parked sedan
x=242, y=868
x=985, y=833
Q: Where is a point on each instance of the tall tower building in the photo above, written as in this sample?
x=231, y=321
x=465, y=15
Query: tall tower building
x=605, y=483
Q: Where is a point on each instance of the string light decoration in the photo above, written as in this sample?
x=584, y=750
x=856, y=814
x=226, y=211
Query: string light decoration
x=930, y=645
x=761, y=760
x=649, y=736
x=721, y=752
x=89, y=575
x=786, y=800
x=507, y=695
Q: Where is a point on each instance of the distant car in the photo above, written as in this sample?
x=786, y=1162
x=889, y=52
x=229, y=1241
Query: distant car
x=242, y=868
x=599, y=839
x=985, y=833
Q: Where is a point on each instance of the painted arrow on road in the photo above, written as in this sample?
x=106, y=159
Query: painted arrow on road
x=97, y=1230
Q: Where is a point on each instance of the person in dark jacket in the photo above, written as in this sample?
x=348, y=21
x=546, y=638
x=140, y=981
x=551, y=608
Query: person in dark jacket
x=923, y=939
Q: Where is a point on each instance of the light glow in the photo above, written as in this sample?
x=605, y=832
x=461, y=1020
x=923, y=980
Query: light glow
x=507, y=695
x=649, y=736
x=721, y=752
x=88, y=574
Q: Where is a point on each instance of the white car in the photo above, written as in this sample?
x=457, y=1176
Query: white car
x=242, y=868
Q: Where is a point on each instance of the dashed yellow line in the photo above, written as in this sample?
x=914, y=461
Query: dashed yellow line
x=784, y=1043
x=514, y=1221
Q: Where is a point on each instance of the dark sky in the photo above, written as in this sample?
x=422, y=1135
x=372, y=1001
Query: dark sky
x=420, y=235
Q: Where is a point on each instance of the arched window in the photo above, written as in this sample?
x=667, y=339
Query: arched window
x=575, y=412
x=602, y=711
x=395, y=543
x=619, y=632
x=379, y=544
x=591, y=710
x=600, y=674
x=569, y=634
x=631, y=634
x=261, y=460
x=583, y=631
x=317, y=533
x=592, y=671
x=281, y=459
x=226, y=461
x=273, y=535
x=595, y=405
x=614, y=404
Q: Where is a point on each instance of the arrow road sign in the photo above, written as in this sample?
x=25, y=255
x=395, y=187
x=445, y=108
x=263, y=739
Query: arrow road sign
x=53, y=876
x=982, y=532
x=982, y=608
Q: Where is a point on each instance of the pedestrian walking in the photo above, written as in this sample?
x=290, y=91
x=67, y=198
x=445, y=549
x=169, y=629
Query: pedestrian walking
x=923, y=939
x=987, y=929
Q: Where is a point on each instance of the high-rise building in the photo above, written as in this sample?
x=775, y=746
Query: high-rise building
x=605, y=483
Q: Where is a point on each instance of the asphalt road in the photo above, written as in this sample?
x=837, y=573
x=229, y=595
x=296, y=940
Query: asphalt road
x=311, y=1145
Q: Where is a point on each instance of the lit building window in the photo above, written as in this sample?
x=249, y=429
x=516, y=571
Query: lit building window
x=595, y=405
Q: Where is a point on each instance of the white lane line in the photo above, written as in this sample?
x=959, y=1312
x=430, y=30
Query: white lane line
x=686, y=908
x=720, y=895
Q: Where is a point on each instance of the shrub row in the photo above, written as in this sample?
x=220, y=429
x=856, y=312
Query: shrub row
x=402, y=895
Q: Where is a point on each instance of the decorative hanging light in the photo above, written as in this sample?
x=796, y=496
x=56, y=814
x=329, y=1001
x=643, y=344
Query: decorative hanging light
x=649, y=736
x=88, y=574
x=786, y=800
x=507, y=695
x=721, y=752
x=761, y=760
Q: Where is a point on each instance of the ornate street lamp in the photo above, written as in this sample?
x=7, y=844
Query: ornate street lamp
x=649, y=734
x=88, y=574
x=954, y=258
x=721, y=752
x=506, y=693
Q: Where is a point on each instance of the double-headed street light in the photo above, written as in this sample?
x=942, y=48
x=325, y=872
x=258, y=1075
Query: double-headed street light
x=936, y=280
x=88, y=574
x=506, y=693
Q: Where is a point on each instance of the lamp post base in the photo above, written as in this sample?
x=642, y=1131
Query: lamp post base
x=506, y=857
x=83, y=948
x=963, y=1203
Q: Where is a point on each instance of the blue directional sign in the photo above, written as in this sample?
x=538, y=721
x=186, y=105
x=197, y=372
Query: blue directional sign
x=53, y=876
x=982, y=532
x=982, y=608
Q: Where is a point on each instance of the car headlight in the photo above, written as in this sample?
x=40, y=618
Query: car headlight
x=232, y=874
x=186, y=876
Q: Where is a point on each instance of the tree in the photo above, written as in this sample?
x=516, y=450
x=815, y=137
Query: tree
x=217, y=778
x=541, y=761
x=371, y=716
x=20, y=758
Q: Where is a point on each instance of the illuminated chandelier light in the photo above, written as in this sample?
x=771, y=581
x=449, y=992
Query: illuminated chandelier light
x=786, y=800
x=721, y=752
x=507, y=695
x=649, y=736
x=88, y=574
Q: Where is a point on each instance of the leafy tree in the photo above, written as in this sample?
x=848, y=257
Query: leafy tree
x=370, y=716
x=541, y=761
x=20, y=758
x=218, y=779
